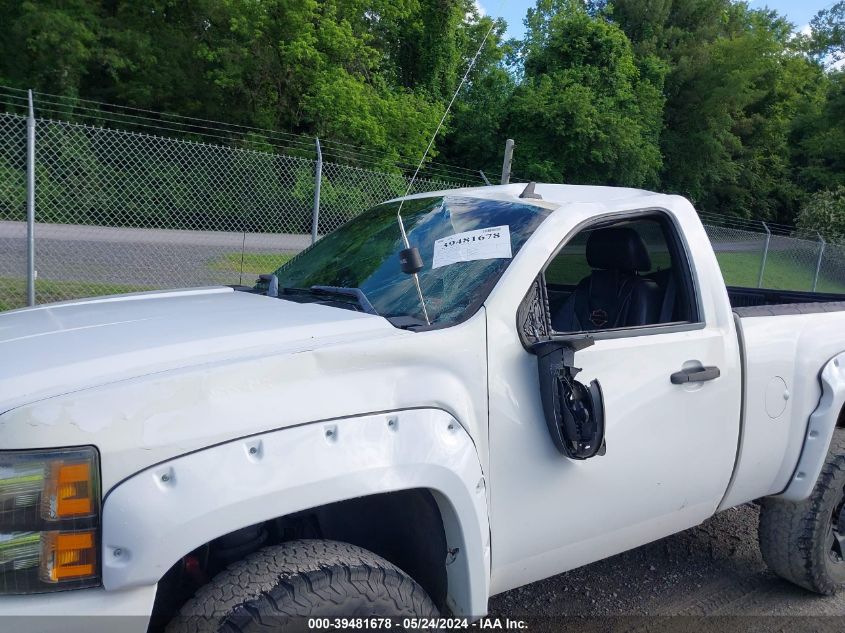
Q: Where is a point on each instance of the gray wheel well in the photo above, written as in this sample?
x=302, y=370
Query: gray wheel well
x=403, y=527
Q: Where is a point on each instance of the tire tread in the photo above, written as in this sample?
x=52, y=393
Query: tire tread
x=280, y=581
x=792, y=534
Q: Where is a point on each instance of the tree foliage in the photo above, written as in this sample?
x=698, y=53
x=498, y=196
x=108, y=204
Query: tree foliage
x=827, y=39
x=368, y=72
x=824, y=212
x=582, y=112
x=711, y=99
x=818, y=138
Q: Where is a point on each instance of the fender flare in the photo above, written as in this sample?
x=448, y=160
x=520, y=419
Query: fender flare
x=159, y=515
x=819, y=432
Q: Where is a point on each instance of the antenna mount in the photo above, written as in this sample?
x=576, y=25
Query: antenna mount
x=529, y=192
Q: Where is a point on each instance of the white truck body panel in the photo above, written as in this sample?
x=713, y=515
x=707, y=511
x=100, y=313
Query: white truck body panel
x=136, y=422
x=670, y=448
x=822, y=424
x=782, y=389
x=69, y=346
x=212, y=492
x=92, y=610
x=187, y=381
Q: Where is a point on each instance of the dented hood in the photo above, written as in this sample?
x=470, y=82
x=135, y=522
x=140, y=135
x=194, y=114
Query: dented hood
x=64, y=347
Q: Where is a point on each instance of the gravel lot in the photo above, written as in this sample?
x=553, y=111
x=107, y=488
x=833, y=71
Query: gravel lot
x=712, y=570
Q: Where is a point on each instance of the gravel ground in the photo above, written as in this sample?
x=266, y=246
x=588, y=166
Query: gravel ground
x=715, y=569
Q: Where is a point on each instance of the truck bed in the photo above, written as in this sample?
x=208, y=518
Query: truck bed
x=782, y=357
x=756, y=302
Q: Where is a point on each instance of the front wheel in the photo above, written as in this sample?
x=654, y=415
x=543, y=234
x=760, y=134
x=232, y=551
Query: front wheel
x=278, y=588
x=804, y=542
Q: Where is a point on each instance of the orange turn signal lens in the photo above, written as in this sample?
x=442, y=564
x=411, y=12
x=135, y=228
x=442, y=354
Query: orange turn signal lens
x=68, y=556
x=73, y=494
x=70, y=491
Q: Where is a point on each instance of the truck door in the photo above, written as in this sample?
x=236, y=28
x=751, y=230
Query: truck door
x=657, y=399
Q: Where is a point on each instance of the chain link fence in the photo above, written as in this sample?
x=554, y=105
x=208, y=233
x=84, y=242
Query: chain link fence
x=832, y=269
x=13, y=258
x=121, y=211
x=777, y=257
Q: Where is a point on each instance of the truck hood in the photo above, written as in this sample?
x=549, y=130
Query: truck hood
x=64, y=347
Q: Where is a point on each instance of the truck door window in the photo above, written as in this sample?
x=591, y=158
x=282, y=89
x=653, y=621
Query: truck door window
x=623, y=274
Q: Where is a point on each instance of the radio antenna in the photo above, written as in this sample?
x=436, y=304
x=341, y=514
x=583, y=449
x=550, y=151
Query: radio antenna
x=410, y=258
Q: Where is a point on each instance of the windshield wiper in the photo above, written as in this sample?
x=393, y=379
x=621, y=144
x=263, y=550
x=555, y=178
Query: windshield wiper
x=348, y=292
x=338, y=291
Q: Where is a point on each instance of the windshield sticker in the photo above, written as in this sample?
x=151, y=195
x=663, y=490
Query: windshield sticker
x=490, y=243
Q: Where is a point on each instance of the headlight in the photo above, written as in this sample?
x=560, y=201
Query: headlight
x=49, y=520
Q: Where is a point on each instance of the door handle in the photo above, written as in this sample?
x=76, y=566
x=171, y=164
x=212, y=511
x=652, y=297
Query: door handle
x=696, y=374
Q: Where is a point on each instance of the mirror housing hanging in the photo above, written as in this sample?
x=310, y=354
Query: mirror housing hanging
x=574, y=411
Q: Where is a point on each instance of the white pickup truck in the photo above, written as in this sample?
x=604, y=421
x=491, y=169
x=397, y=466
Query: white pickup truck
x=548, y=376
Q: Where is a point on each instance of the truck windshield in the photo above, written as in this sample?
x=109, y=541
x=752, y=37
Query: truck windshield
x=466, y=244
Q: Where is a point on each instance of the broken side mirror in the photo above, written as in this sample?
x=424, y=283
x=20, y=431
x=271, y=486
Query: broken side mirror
x=574, y=411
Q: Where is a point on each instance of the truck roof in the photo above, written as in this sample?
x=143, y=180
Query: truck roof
x=551, y=193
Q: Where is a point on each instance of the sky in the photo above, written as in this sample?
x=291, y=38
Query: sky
x=799, y=12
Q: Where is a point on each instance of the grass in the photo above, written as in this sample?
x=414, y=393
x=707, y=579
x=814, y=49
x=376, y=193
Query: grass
x=782, y=272
x=255, y=263
x=13, y=291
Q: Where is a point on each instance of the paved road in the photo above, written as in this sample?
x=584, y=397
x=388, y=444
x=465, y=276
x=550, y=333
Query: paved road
x=713, y=570
x=125, y=235
x=146, y=257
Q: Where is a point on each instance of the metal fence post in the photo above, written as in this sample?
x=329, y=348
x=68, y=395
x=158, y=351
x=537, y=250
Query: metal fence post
x=819, y=261
x=318, y=177
x=30, y=203
x=484, y=178
x=765, y=255
x=506, y=164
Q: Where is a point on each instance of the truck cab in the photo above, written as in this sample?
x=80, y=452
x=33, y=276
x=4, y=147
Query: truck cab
x=563, y=378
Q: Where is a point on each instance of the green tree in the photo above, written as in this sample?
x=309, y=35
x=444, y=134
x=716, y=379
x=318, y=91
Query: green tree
x=824, y=212
x=583, y=113
x=147, y=58
x=371, y=73
x=423, y=43
x=735, y=80
x=48, y=45
x=475, y=134
x=818, y=137
x=827, y=39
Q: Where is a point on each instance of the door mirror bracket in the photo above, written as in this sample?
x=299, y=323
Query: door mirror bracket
x=574, y=412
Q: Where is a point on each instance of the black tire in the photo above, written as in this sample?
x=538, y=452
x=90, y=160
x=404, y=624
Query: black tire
x=798, y=540
x=277, y=588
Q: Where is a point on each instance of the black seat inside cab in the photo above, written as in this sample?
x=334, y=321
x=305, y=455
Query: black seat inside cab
x=613, y=295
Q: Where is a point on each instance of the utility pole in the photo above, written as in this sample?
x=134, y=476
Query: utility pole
x=506, y=164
